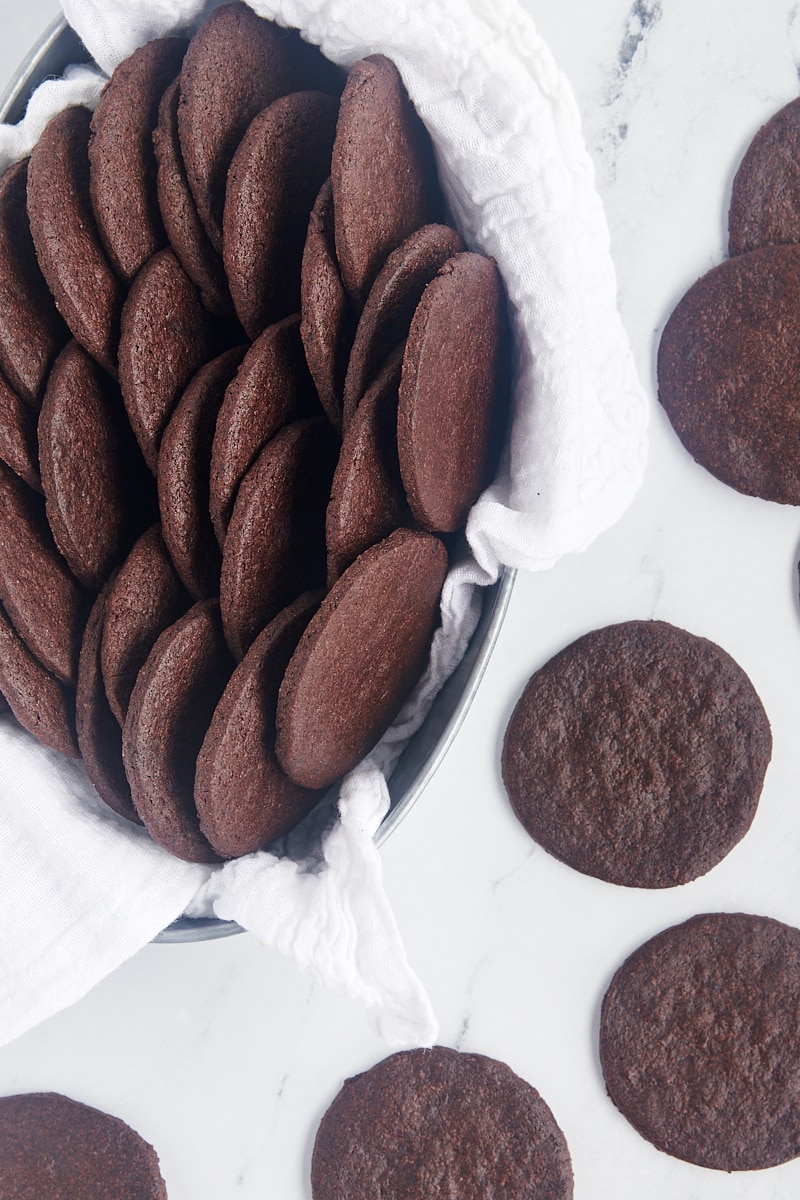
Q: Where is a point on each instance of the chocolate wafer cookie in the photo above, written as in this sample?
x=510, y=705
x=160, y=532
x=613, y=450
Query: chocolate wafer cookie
x=728, y=371
x=122, y=174
x=328, y=320
x=637, y=754
x=41, y=703
x=99, y=732
x=237, y=63
x=46, y=604
x=438, y=1123
x=450, y=391
x=166, y=337
x=360, y=657
x=272, y=387
x=275, y=544
x=31, y=330
x=185, y=231
x=276, y=172
x=70, y=252
x=244, y=799
x=384, y=184
x=170, y=709
x=147, y=597
x=53, y=1146
x=765, y=197
x=184, y=462
x=699, y=1038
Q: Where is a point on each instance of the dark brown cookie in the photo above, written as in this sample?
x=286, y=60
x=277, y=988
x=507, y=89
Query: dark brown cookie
x=328, y=321
x=147, y=597
x=244, y=799
x=765, y=197
x=19, y=448
x=165, y=339
x=450, y=391
x=71, y=256
x=122, y=175
x=237, y=63
x=170, y=708
x=99, y=732
x=360, y=657
x=699, y=1038
x=367, y=498
x=382, y=172
x=31, y=330
x=184, y=463
x=44, y=600
x=40, y=702
x=275, y=544
x=391, y=303
x=438, y=1123
x=728, y=371
x=185, y=231
x=53, y=1146
x=276, y=173
x=637, y=754
x=82, y=455
x=272, y=387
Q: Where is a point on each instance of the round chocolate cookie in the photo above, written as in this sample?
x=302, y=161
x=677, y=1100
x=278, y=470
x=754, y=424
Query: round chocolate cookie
x=31, y=330
x=382, y=172
x=51, y=1146
x=637, y=755
x=99, y=732
x=391, y=302
x=276, y=173
x=237, y=63
x=765, y=198
x=122, y=176
x=450, y=390
x=244, y=800
x=700, y=1041
x=439, y=1124
x=170, y=709
x=728, y=372
x=67, y=240
x=360, y=657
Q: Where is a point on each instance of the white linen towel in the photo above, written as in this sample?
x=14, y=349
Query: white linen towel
x=83, y=889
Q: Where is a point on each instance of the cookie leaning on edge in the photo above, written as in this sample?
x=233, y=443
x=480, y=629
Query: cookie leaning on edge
x=170, y=709
x=360, y=657
x=729, y=372
x=437, y=1124
x=765, y=197
x=637, y=754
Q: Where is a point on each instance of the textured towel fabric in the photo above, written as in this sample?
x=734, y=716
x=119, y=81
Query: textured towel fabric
x=86, y=891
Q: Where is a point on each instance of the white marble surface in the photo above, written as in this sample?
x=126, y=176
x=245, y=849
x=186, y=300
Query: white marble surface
x=222, y=1054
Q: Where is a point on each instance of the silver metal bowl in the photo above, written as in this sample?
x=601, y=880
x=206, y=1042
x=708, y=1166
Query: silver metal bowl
x=57, y=48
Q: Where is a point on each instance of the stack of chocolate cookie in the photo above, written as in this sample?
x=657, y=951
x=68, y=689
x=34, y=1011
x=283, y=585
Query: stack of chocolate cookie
x=249, y=392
